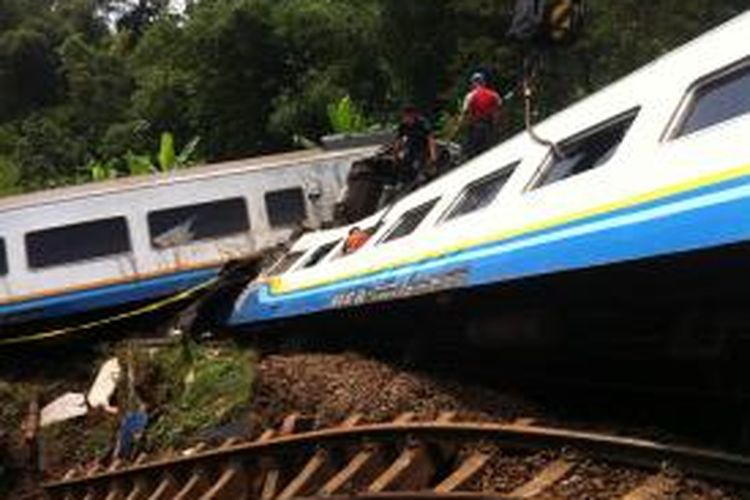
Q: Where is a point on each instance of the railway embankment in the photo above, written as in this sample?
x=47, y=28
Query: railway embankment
x=182, y=390
x=198, y=397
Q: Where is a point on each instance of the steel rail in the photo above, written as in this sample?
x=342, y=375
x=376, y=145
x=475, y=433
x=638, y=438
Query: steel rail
x=413, y=438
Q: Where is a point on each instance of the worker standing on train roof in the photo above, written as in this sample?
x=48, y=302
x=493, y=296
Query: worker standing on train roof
x=482, y=109
x=415, y=146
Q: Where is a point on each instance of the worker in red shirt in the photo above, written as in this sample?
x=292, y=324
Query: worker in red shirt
x=482, y=110
x=355, y=240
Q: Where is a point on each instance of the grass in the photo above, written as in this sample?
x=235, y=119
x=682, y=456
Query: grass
x=201, y=388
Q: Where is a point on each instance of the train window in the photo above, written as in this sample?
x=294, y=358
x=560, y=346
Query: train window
x=587, y=151
x=183, y=225
x=409, y=222
x=77, y=242
x=3, y=259
x=717, y=100
x=286, y=207
x=320, y=253
x=285, y=263
x=480, y=193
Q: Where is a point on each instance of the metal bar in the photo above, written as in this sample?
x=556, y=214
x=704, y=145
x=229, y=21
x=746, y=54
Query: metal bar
x=404, y=418
x=446, y=416
x=140, y=489
x=166, y=489
x=413, y=465
x=550, y=475
x=116, y=491
x=271, y=484
x=638, y=452
x=356, y=465
x=465, y=471
x=309, y=472
x=198, y=482
x=231, y=484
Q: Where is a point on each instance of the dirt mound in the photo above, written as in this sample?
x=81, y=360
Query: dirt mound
x=332, y=387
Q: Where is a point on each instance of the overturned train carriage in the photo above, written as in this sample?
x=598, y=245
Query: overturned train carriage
x=632, y=243
x=71, y=254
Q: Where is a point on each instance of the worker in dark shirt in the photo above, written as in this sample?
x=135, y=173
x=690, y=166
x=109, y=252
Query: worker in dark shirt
x=415, y=145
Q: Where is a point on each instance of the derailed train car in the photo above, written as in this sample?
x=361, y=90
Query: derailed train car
x=84, y=250
x=634, y=238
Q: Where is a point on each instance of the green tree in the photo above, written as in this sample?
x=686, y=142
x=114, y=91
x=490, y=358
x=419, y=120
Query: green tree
x=99, y=87
x=82, y=80
x=47, y=152
x=220, y=68
x=28, y=73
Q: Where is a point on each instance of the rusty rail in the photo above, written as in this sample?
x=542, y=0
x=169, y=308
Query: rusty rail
x=405, y=458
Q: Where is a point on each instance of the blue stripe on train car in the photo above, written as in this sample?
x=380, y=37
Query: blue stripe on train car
x=702, y=218
x=68, y=304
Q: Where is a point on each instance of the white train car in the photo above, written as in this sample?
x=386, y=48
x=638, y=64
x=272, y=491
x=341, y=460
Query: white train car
x=654, y=167
x=76, y=250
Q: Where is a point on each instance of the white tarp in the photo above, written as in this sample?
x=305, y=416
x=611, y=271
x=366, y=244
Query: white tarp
x=66, y=407
x=105, y=385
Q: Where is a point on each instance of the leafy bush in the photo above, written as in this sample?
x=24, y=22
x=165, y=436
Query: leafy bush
x=9, y=176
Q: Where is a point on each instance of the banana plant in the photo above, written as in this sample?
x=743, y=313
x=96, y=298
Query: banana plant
x=142, y=164
x=138, y=164
x=101, y=171
x=169, y=160
x=345, y=117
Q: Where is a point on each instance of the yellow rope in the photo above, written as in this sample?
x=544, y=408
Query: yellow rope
x=173, y=299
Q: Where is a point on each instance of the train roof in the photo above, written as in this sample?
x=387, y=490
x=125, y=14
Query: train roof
x=715, y=48
x=258, y=163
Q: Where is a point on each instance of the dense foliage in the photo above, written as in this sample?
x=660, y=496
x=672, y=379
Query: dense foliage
x=83, y=82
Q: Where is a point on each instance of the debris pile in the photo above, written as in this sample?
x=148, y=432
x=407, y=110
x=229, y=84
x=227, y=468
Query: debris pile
x=133, y=397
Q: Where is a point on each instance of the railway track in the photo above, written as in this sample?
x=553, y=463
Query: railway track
x=403, y=458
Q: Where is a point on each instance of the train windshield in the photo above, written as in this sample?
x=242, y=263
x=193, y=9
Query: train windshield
x=285, y=263
x=410, y=221
x=319, y=254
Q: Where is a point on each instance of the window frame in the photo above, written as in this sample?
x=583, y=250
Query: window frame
x=688, y=101
x=152, y=237
x=308, y=262
x=295, y=257
x=549, y=161
x=303, y=198
x=432, y=203
x=85, y=260
x=4, y=264
x=508, y=170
